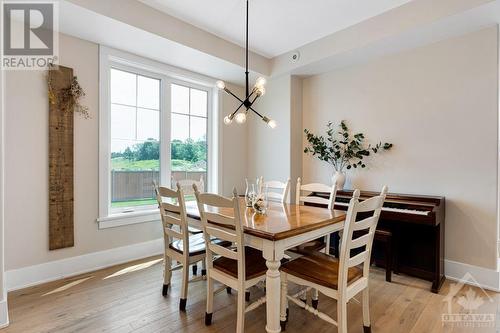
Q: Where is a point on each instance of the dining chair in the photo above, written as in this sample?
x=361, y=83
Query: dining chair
x=239, y=267
x=343, y=278
x=179, y=245
x=187, y=188
x=277, y=191
x=300, y=199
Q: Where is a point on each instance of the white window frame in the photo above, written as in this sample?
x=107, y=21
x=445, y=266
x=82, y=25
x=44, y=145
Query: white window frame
x=112, y=58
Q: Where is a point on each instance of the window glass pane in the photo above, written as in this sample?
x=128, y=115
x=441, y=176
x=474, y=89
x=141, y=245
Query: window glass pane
x=198, y=128
x=189, y=133
x=135, y=145
x=198, y=103
x=180, y=99
x=123, y=122
x=148, y=124
x=123, y=87
x=180, y=127
x=148, y=93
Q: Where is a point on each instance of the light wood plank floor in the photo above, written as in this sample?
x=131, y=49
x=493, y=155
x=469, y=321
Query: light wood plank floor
x=127, y=298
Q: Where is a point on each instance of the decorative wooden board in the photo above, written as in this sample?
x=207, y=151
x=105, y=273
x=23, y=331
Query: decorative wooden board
x=60, y=165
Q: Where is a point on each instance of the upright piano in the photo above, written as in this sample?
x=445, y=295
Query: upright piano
x=417, y=226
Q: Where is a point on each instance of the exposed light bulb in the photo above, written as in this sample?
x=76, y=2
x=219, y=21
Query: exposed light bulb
x=272, y=123
x=240, y=118
x=261, y=82
x=220, y=84
x=227, y=120
x=260, y=91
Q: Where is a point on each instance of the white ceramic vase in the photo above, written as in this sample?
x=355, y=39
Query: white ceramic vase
x=339, y=177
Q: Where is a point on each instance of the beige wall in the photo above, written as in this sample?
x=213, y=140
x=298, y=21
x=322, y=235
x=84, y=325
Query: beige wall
x=269, y=149
x=26, y=206
x=438, y=105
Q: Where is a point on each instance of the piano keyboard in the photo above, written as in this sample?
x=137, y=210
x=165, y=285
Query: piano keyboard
x=395, y=210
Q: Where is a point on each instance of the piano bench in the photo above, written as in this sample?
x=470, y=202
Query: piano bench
x=385, y=236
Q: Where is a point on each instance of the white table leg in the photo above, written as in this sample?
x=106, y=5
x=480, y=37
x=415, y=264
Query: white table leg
x=273, y=286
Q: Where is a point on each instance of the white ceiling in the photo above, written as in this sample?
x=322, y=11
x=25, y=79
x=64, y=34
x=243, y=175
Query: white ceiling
x=276, y=26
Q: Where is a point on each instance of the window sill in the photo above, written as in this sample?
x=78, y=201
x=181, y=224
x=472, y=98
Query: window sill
x=121, y=219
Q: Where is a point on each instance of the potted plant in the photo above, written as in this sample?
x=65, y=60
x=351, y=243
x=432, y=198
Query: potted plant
x=341, y=149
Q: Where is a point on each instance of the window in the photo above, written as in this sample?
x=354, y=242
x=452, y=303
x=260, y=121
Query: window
x=189, y=112
x=155, y=126
x=135, y=139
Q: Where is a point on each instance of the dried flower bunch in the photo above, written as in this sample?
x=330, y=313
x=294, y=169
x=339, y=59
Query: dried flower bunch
x=69, y=98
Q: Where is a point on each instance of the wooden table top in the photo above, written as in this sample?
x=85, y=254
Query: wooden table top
x=280, y=221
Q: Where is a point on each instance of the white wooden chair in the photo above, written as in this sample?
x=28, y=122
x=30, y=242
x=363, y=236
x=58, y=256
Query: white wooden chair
x=277, y=191
x=187, y=189
x=179, y=244
x=341, y=278
x=239, y=267
x=300, y=199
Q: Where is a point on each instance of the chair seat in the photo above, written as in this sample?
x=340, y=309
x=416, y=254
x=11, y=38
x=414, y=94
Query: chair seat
x=196, y=245
x=194, y=231
x=306, y=248
x=321, y=269
x=255, y=264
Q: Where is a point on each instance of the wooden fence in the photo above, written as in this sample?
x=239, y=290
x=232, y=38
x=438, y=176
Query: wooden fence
x=133, y=185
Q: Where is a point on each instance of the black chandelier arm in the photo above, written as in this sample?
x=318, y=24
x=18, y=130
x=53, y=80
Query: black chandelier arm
x=261, y=116
x=237, y=109
x=231, y=93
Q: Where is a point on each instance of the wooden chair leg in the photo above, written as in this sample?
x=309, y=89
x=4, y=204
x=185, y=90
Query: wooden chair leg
x=184, y=290
x=283, y=301
x=203, y=268
x=366, y=311
x=342, y=316
x=167, y=274
x=315, y=298
x=327, y=244
x=210, y=301
x=240, y=311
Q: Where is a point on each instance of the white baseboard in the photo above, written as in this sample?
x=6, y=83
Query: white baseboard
x=485, y=277
x=55, y=270
x=4, y=314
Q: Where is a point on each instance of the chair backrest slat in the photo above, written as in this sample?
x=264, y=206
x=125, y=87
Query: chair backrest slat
x=222, y=251
x=218, y=218
x=315, y=188
x=221, y=234
x=366, y=227
x=358, y=259
x=361, y=241
x=277, y=191
x=365, y=223
x=173, y=234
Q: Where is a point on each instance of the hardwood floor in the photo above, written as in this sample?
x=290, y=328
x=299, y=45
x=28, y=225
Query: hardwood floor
x=127, y=298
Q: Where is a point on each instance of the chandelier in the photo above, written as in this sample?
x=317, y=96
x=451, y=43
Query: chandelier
x=250, y=96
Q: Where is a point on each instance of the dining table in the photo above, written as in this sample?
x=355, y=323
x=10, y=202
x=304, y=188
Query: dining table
x=282, y=227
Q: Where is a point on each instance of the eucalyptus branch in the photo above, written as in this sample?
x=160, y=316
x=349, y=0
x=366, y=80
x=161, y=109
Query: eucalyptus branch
x=340, y=148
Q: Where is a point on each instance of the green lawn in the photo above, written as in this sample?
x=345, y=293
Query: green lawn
x=122, y=164
x=132, y=203
x=142, y=202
